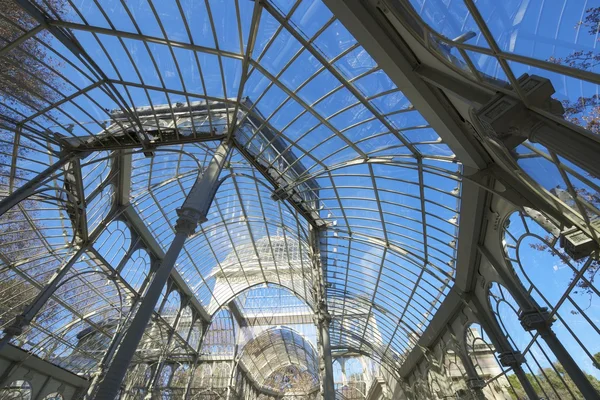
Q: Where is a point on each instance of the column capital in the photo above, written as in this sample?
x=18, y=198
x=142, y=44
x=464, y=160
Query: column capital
x=16, y=328
x=536, y=319
x=188, y=220
x=511, y=358
x=324, y=318
x=510, y=121
x=476, y=383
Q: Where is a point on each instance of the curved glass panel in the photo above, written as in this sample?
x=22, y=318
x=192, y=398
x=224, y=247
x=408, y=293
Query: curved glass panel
x=99, y=207
x=136, y=270
x=94, y=170
x=339, y=200
x=220, y=337
x=350, y=378
x=114, y=242
x=180, y=82
x=283, y=360
x=36, y=239
x=171, y=307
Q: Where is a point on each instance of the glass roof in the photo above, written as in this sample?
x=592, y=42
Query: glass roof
x=274, y=349
x=307, y=104
x=325, y=145
x=308, y=108
x=497, y=44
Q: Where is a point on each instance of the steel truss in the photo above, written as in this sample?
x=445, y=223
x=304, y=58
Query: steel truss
x=165, y=223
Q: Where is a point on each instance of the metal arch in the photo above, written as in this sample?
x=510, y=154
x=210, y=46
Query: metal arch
x=283, y=362
x=464, y=280
x=136, y=224
x=527, y=305
x=207, y=230
x=48, y=289
x=236, y=295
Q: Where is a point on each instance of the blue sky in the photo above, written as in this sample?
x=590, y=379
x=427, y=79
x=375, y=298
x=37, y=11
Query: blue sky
x=541, y=30
x=323, y=105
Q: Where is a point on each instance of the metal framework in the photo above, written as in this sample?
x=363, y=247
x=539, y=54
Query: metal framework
x=334, y=199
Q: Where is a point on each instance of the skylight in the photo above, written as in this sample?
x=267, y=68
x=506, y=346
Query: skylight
x=338, y=193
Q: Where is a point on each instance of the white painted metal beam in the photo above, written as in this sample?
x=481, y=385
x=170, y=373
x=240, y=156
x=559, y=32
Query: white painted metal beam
x=394, y=56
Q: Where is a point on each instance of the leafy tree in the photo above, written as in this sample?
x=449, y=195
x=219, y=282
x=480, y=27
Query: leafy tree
x=516, y=389
x=551, y=384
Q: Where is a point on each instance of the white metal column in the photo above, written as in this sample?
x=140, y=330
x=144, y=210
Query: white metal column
x=193, y=212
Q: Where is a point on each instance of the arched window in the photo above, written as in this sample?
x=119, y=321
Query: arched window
x=180, y=378
x=98, y=207
x=114, y=242
x=137, y=379
x=136, y=269
x=337, y=371
x=16, y=390
x=220, y=339
x=159, y=303
x=484, y=357
x=54, y=396
x=195, y=335
x=207, y=376
x=171, y=307
x=438, y=384
x=456, y=375
x=36, y=238
x=185, y=322
x=165, y=376
x=567, y=288
x=86, y=325
x=545, y=373
x=354, y=370
x=196, y=376
x=94, y=170
x=349, y=377
x=221, y=375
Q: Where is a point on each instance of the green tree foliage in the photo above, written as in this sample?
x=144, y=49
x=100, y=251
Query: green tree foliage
x=551, y=384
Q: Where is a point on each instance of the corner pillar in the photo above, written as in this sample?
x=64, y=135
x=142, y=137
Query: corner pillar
x=327, y=360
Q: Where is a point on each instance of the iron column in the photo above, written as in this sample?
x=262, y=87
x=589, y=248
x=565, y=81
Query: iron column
x=193, y=212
